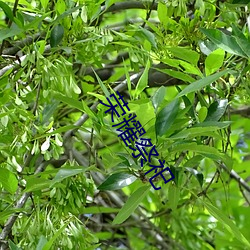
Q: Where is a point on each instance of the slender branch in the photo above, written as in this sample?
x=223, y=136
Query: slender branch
x=21, y=44
x=37, y=97
x=16, y=63
x=148, y=14
x=236, y=177
x=244, y=195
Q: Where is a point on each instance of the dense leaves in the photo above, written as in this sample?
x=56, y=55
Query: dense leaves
x=75, y=174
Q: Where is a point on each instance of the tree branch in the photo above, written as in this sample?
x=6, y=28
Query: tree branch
x=236, y=177
x=16, y=63
x=21, y=44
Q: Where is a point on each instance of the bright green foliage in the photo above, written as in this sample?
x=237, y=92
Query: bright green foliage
x=67, y=180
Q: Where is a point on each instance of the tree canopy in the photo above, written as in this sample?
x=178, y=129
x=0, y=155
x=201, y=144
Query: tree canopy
x=77, y=174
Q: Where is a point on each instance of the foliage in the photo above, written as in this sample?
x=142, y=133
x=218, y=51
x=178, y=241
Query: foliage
x=67, y=181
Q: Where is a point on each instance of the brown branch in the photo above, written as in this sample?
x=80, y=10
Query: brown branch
x=21, y=44
x=235, y=176
x=16, y=63
x=148, y=14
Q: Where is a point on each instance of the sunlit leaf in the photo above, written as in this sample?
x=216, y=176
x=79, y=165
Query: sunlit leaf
x=8, y=180
x=131, y=204
x=117, y=181
x=67, y=172
x=166, y=117
x=41, y=243
x=173, y=196
x=228, y=223
x=143, y=81
x=197, y=85
x=223, y=41
x=7, y=10
x=214, y=61
x=158, y=97
x=99, y=210
x=185, y=54
x=216, y=110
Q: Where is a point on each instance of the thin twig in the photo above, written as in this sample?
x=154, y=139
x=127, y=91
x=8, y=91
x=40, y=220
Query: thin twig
x=37, y=97
x=148, y=14
x=21, y=44
x=244, y=195
x=9, y=24
x=235, y=176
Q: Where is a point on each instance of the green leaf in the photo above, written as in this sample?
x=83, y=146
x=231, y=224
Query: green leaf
x=49, y=110
x=177, y=74
x=9, y=211
x=143, y=81
x=214, y=61
x=219, y=125
x=56, y=35
x=117, y=181
x=34, y=183
x=158, y=97
x=244, y=45
x=9, y=32
x=44, y=3
x=104, y=89
x=147, y=35
x=66, y=172
x=132, y=203
x=198, y=175
x=68, y=12
x=35, y=20
x=194, y=161
x=202, y=114
x=207, y=46
x=216, y=110
x=8, y=180
x=70, y=101
x=98, y=210
x=238, y=33
x=204, y=150
x=41, y=243
x=173, y=196
x=197, y=85
x=186, y=54
x=7, y=10
x=13, y=246
x=193, y=132
x=227, y=223
x=162, y=12
x=189, y=68
x=49, y=244
x=166, y=117
x=223, y=41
